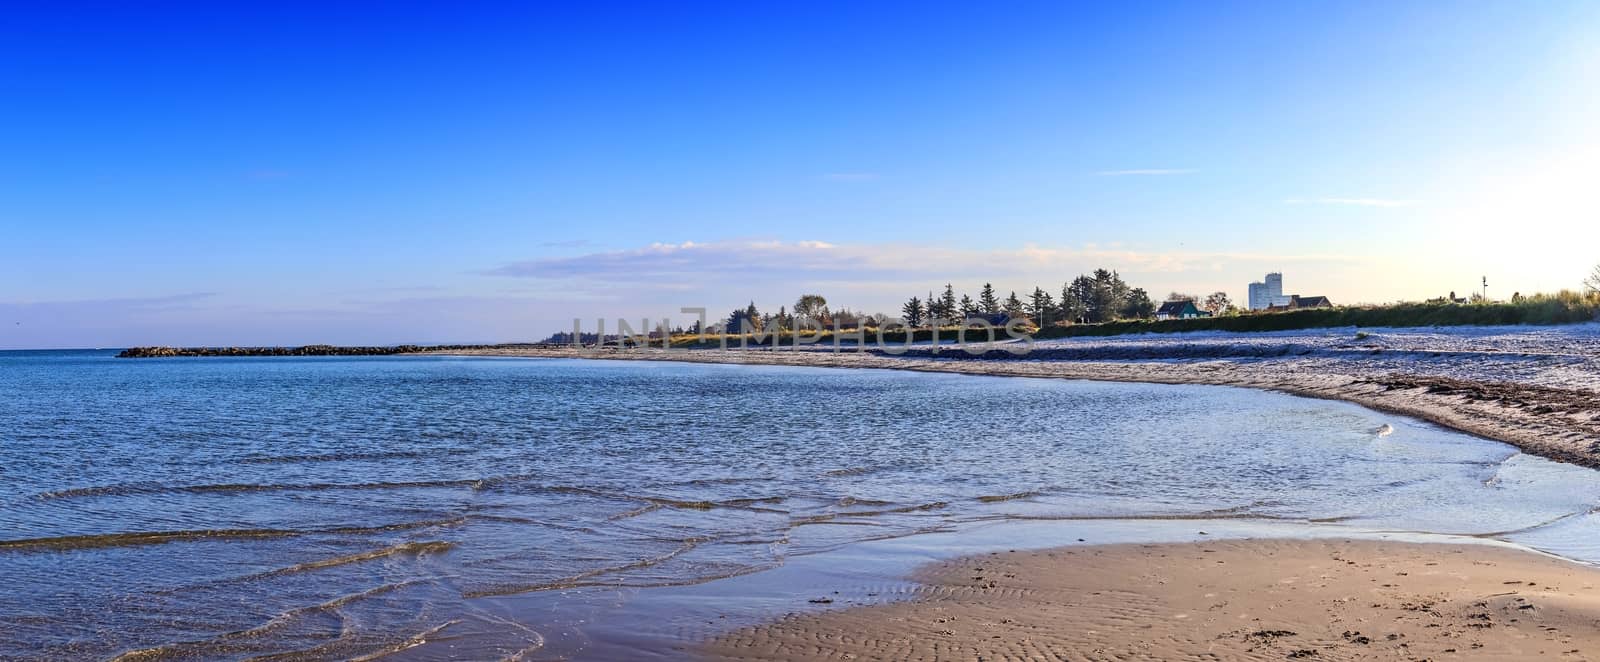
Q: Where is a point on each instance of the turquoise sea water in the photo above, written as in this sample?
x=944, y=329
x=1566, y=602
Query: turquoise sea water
x=483, y=508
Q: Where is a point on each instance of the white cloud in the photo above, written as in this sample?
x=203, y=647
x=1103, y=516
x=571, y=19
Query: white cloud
x=738, y=263
x=657, y=279
x=661, y=264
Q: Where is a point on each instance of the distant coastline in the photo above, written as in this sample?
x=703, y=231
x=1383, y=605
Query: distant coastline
x=156, y=352
x=1542, y=309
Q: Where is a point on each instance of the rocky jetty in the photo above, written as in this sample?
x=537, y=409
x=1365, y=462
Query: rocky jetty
x=308, y=350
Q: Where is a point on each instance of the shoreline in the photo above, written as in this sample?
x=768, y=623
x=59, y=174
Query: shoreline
x=1281, y=371
x=854, y=592
x=1366, y=598
x=1561, y=424
x=1255, y=598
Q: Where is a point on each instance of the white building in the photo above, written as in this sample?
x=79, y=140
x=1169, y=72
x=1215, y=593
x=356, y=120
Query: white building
x=1258, y=293
x=1268, y=292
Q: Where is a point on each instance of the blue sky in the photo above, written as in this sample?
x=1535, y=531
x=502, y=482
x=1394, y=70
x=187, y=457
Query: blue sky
x=381, y=172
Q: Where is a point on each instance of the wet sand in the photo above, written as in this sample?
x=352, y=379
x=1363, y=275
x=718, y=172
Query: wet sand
x=1235, y=599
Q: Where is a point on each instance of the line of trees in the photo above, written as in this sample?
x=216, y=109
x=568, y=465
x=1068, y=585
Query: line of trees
x=809, y=306
x=1101, y=296
x=1098, y=297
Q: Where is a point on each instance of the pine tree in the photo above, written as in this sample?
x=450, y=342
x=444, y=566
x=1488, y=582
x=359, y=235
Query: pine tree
x=1075, y=299
x=1041, y=307
x=1014, y=308
x=1108, y=296
x=968, y=308
x=987, y=300
x=750, y=313
x=947, y=304
x=1138, y=305
x=912, y=312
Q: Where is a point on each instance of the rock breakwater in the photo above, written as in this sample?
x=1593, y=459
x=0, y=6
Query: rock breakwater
x=314, y=350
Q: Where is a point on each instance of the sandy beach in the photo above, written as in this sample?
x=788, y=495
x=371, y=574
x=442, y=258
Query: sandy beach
x=1236, y=599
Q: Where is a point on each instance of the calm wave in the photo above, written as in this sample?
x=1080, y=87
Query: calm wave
x=348, y=507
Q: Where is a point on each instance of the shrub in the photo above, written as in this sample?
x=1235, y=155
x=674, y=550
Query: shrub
x=1564, y=307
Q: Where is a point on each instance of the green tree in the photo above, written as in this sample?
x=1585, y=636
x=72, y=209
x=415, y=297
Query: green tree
x=967, y=309
x=736, y=321
x=1041, y=307
x=1014, y=307
x=812, y=306
x=1075, y=299
x=1098, y=297
x=912, y=312
x=948, y=308
x=987, y=300
x=750, y=313
x=1138, y=305
x=1108, y=296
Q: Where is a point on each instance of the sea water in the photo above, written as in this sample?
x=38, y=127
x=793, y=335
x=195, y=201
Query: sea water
x=433, y=507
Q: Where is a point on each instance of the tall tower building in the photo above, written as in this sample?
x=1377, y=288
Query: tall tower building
x=1275, y=295
x=1268, y=292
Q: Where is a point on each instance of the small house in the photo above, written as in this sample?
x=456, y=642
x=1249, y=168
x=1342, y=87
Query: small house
x=1297, y=302
x=997, y=320
x=1179, y=310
